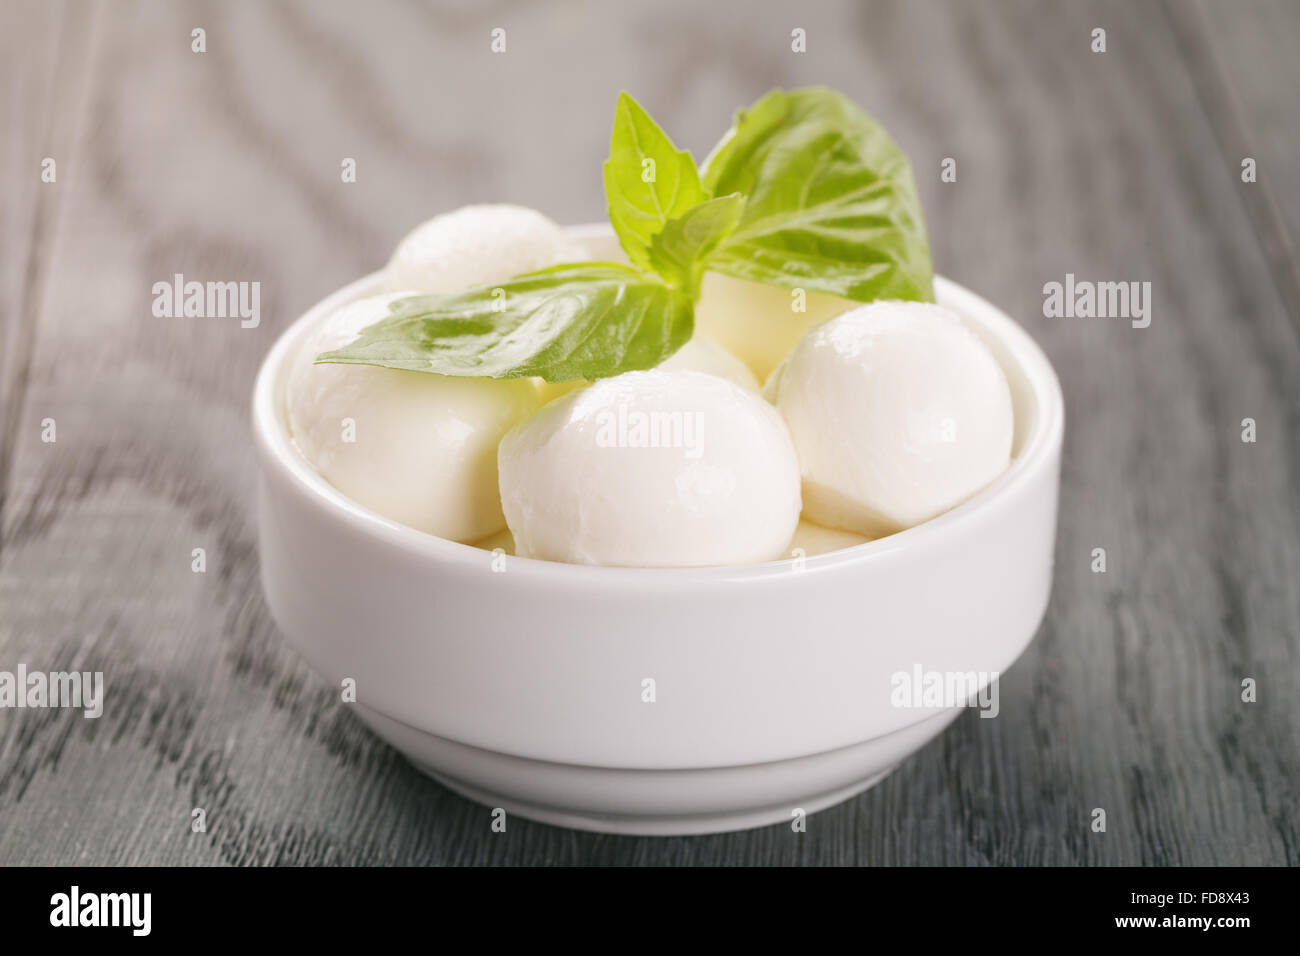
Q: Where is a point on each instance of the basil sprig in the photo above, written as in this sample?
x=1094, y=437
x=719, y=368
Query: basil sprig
x=649, y=182
x=831, y=203
x=588, y=320
x=805, y=191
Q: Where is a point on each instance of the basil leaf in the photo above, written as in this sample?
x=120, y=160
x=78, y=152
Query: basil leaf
x=589, y=320
x=648, y=180
x=677, y=252
x=832, y=205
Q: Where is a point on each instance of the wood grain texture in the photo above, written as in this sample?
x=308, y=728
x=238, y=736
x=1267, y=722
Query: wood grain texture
x=226, y=164
x=1253, y=113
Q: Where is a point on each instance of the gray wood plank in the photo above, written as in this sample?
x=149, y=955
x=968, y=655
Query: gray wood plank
x=40, y=105
x=226, y=165
x=1243, y=60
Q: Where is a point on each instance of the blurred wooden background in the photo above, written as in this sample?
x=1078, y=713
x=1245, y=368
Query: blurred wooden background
x=226, y=165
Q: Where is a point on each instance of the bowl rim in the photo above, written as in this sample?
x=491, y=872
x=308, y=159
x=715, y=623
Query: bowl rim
x=278, y=450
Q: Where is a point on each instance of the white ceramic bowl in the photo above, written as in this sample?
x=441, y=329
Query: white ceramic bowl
x=522, y=688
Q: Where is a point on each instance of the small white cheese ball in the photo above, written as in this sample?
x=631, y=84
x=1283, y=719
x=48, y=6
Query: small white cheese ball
x=418, y=448
x=758, y=323
x=652, y=469
x=476, y=246
x=702, y=355
x=898, y=411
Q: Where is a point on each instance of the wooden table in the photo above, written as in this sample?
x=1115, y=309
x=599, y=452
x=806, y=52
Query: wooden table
x=1122, y=165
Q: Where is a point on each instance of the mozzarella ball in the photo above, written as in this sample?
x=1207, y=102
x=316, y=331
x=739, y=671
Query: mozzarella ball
x=477, y=246
x=898, y=412
x=813, y=539
x=702, y=355
x=652, y=469
x=415, y=447
x=758, y=323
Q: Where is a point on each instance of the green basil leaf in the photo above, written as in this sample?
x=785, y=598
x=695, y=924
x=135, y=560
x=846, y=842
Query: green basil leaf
x=831, y=202
x=648, y=180
x=589, y=320
x=678, y=251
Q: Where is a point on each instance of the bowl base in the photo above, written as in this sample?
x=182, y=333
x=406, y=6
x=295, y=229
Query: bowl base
x=664, y=825
x=655, y=801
